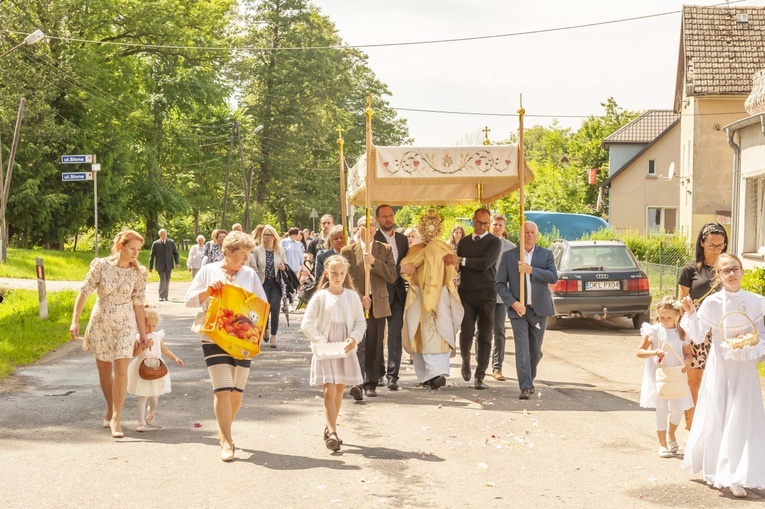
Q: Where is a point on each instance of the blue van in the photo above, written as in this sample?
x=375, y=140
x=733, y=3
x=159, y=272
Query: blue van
x=569, y=226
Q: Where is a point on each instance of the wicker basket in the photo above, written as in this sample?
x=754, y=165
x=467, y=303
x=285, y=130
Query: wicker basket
x=741, y=340
x=150, y=371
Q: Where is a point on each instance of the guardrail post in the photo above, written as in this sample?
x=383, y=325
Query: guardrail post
x=40, y=266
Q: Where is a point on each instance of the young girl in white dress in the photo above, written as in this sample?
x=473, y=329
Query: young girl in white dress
x=727, y=439
x=335, y=314
x=666, y=331
x=149, y=390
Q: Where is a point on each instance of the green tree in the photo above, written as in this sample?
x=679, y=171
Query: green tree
x=300, y=97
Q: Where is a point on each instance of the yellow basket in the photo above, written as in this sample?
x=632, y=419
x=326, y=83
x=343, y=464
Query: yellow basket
x=236, y=321
x=741, y=340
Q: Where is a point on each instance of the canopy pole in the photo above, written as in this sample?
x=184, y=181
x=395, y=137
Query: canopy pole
x=343, y=204
x=521, y=197
x=367, y=197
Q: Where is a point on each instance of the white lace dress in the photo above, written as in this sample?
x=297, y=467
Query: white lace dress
x=727, y=440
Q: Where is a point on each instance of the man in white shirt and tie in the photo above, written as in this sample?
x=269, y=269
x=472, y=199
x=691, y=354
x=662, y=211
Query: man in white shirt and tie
x=529, y=318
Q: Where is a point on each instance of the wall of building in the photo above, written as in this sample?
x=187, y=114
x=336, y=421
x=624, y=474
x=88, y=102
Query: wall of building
x=632, y=191
x=620, y=153
x=711, y=159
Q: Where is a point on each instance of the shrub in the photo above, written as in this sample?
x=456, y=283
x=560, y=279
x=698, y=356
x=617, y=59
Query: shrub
x=754, y=281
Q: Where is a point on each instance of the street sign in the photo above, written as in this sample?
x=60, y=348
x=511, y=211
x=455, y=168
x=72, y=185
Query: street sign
x=313, y=213
x=78, y=175
x=76, y=159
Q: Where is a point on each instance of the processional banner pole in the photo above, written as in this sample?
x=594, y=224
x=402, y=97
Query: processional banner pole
x=521, y=197
x=343, y=202
x=367, y=196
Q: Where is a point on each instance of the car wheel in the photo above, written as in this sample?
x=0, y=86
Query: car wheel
x=552, y=323
x=640, y=319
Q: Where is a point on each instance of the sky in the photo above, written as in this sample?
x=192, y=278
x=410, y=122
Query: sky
x=560, y=74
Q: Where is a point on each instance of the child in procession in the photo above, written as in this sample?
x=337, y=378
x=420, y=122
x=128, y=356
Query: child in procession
x=335, y=314
x=149, y=390
x=727, y=439
x=664, y=345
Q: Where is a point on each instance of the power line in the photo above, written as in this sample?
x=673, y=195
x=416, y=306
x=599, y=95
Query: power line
x=527, y=115
x=377, y=45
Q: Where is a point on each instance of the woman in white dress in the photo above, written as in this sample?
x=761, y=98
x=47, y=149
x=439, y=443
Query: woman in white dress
x=335, y=315
x=727, y=439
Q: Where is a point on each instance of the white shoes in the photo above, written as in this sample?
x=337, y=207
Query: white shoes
x=672, y=446
x=738, y=491
x=664, y=452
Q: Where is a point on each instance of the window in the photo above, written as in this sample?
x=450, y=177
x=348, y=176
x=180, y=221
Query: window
x=651, y=167
x=661, y=220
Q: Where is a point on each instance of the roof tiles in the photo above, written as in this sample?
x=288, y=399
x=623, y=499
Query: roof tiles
x=722, y=52
x=644, y=129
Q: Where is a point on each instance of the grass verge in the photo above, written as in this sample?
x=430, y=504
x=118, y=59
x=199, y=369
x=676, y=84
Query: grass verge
x=26, y=338
x=69, y=265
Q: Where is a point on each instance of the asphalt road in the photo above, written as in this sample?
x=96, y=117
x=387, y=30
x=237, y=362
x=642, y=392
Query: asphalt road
x=582, y=442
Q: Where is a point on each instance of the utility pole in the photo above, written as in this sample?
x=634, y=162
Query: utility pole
x=5, y=186
x=244, y=181
x=228, y=172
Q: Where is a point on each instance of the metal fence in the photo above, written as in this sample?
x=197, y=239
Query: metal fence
x=662, y=279
x=664, y=269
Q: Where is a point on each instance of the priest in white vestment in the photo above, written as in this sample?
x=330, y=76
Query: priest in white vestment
x=432, y=312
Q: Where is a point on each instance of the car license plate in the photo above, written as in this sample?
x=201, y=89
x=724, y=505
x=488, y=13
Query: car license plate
x=602, y=285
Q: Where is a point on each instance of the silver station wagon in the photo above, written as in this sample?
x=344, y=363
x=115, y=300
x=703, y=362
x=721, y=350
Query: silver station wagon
x=598, y=279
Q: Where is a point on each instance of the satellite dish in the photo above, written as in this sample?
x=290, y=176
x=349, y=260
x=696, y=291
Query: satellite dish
x=671, y=170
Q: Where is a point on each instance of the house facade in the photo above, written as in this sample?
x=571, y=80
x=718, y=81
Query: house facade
x=642, y=195
x=746, y=138
x=720, y=49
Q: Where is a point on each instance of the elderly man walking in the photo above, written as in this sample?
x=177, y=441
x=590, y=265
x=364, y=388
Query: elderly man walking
x=165, y=254
x=528, y=318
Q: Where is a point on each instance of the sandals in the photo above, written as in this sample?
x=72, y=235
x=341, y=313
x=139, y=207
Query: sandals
x=141, y=427
x=150, y=418
x=326, y=436
x=332, y=442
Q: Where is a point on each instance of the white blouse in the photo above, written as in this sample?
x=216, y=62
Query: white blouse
x=246, y=278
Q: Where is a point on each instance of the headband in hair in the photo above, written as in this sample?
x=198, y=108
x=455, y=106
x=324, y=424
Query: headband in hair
x=712, y=228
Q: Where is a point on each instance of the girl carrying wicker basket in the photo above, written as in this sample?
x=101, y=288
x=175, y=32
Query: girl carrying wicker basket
x=665, y=345
x=149, y=390
x=727, y=439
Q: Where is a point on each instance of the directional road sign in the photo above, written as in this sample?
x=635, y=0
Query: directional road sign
x=76, y=159
x=78, y=175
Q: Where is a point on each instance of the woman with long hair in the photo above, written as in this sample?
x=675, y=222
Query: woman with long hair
x=457, y=233
x=117, y=318
x=267, y=259
x=697, y=280
x=257, y=234
x=227, y=374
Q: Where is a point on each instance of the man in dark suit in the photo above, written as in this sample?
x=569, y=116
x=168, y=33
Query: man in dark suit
x=396, y=291
x=476, y=259
x=527, y=318
x=383, y=271
x=164, y=253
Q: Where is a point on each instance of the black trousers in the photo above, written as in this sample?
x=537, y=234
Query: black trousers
x=481, y=312
x=370, y=351
x=274, y=294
